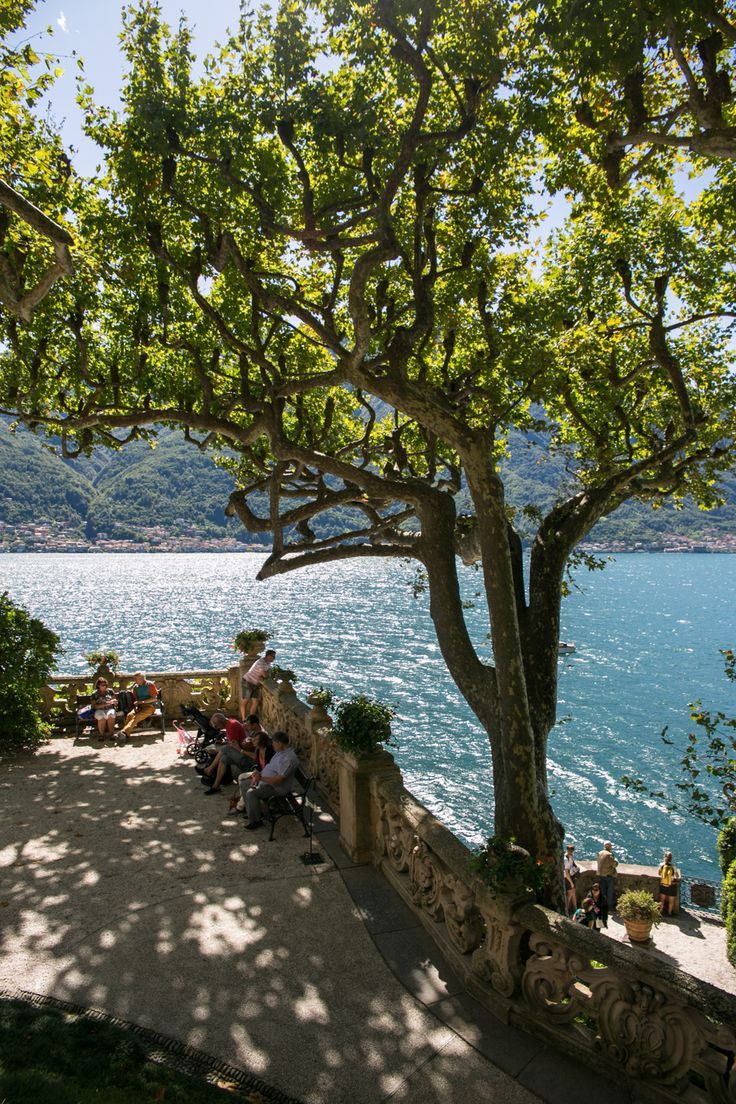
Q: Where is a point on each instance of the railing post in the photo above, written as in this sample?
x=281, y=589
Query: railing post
x=357, y=830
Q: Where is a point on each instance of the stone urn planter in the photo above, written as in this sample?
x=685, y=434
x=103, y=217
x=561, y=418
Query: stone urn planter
x=250, y=643
x=639, y=912
x=361, y=726
x=356, y=825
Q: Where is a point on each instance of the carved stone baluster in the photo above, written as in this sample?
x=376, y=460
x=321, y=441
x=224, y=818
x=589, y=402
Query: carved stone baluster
x=497, y=960
x=464, y=922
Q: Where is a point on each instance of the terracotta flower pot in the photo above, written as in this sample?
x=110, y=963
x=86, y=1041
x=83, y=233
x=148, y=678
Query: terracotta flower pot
x=638, y=931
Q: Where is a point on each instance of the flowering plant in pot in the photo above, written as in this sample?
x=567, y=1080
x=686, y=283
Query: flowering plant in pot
x=639, y=911
x=108, y=658
x=362, y=725
x=247, y=639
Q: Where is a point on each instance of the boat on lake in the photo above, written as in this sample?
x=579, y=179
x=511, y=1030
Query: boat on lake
x=566, y=647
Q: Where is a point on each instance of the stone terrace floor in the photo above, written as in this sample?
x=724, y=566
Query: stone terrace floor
x=124, y=888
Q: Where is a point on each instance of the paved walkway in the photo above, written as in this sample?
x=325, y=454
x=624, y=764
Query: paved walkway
x=124, y=888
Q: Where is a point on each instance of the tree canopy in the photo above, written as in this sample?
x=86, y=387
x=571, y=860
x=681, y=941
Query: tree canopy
x=325, y=251
x=35, y=174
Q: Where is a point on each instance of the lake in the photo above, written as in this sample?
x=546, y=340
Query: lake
x=647, y=630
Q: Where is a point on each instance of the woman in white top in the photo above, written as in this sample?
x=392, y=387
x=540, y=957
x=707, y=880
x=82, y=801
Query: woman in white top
x=572, y=870
x=104, y=704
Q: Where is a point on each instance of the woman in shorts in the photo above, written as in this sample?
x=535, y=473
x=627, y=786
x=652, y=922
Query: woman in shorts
x=104, y=704
x=669, y=877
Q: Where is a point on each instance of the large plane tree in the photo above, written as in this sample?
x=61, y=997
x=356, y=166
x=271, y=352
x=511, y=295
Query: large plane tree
x=323, y=254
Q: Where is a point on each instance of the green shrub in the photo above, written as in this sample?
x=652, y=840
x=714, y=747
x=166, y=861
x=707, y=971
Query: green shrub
x=638, y=904
x=362, y=725
x=502, y=863
x=27, y=654
x=320, y=695
x=248, y=637
x=282, y=674
x=728, y=911
x=727, y=845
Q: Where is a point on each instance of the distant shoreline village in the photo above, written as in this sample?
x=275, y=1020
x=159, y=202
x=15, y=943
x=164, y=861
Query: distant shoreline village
x=55, y=537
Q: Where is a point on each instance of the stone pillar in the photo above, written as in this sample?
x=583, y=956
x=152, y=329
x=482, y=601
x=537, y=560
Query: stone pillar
x=356, y=820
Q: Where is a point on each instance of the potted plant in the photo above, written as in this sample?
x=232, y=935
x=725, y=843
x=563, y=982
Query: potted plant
x=108, y=659
x=249, y=640
x=639, y=911
x=362, y=725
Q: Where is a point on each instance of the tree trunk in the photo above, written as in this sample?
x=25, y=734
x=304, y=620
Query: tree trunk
x=497, y=695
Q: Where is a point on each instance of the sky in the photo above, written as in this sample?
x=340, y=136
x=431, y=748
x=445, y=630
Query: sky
x=91, y=28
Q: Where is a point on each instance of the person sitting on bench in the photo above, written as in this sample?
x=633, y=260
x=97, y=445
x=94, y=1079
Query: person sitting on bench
x=276, y=779
x=104, y=703
x=145, y=697
x=237, y=754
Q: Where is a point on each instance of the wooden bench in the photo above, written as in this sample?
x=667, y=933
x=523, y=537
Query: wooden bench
x=292, y=804
x=156, y=721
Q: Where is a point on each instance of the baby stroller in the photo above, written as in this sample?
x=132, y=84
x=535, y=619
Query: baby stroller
x=200, y=746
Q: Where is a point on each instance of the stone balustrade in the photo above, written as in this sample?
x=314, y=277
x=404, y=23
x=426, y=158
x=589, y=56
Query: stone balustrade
x=208, y=690
x=608, y=1004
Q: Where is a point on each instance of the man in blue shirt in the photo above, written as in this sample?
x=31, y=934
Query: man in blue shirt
x=276, y=778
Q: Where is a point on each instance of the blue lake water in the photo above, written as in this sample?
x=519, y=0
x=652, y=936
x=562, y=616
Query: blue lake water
x=647, y=631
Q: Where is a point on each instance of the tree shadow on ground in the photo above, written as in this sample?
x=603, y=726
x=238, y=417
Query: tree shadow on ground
x=124, y=889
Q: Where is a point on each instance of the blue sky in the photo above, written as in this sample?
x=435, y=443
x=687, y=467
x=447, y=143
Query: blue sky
x=91, y=28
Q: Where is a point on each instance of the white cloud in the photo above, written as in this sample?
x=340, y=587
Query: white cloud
x=61, y=22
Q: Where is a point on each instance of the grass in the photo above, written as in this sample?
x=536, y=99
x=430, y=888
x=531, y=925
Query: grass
x=48, y=1056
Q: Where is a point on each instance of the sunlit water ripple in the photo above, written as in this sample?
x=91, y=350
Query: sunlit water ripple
x=647, y=630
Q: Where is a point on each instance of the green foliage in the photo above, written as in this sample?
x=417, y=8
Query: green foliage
x=27, y=654
x=245, y=639
x=52, y=1057
x=37, y=487
x=504, y=866
x=320, y=695
x=707, y=787
x=727, y=845
x=728, y=911
x=107, y=657
x=282, y=674
x=362, y=725
x=638, y=904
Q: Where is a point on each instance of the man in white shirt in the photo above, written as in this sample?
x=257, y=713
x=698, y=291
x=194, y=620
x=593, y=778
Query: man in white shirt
x=276, y=778
x=251, y=684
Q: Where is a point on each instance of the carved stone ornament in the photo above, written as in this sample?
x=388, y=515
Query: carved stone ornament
x=394, y=838
x=426, y=882
x=643, y=1031
x=463, y=920
x=549, y=979
x=497, y=959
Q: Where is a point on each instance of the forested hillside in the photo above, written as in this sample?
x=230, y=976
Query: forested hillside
x=176, y=488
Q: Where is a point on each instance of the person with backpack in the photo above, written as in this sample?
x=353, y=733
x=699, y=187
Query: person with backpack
x=669, y=880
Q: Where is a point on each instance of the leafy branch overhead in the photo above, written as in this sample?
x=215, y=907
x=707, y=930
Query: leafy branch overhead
x=35, y=176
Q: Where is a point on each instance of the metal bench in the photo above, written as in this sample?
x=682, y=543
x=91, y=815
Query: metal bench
x=293, y=804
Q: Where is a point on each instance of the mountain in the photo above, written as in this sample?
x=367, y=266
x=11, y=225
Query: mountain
x=35, y=484
x=173, y=492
